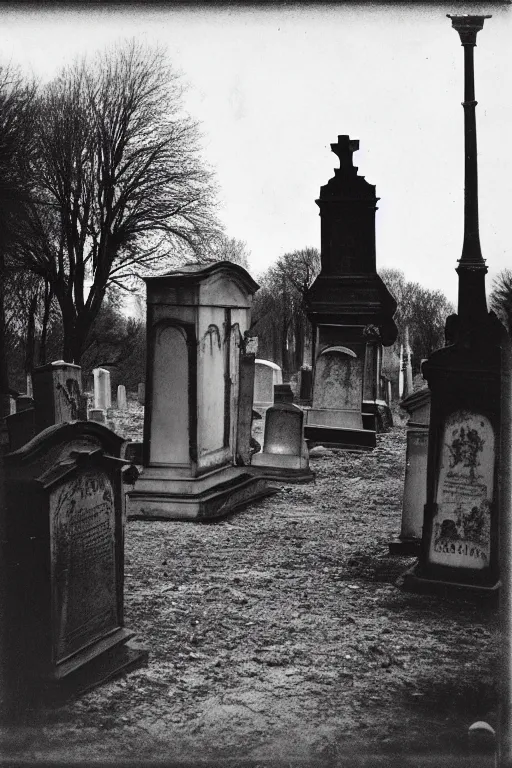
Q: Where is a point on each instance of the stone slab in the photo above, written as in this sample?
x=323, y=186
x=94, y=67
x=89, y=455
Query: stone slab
x=221, y=492
x=341, y=438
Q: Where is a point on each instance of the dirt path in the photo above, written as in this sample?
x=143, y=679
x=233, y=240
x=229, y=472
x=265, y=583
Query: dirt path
x=278, y=637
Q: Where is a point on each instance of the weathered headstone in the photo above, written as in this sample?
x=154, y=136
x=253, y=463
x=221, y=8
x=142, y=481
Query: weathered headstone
x=196, y=320
x=417, y=406
x=121, y=398
x=285, y=454
x=267, y=374
x=102, y=390
x=351, y=311
x=283, y=393
x=63, y=627
x=141, y=393
x=98, y=415
x=57, y=390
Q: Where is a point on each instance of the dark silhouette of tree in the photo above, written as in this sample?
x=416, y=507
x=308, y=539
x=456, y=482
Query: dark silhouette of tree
x=120, y=186
x=500, y=299
x=16, y=147
x=422, y=310
x=279, y=314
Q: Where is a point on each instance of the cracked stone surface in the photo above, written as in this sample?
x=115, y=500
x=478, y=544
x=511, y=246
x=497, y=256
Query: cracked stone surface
x=277, y=637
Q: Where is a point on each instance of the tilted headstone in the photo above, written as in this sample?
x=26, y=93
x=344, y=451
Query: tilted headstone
x=285, y=454
x=121, y=398
x=57, y=392
x=196, y=320
x=417, y=406
x=141, y=393
x=63, y=626
x=102, y=391
x=266, y=375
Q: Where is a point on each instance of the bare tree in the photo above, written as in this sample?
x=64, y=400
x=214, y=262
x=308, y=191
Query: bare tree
x=500, y=299
x=422, y=310
x=279, y=314
x=120, y=184
x=225, y=248
x=16, y=146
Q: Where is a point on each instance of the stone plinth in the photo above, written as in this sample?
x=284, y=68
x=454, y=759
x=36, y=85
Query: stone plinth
x=102, y=390
x=285, y=454
x=63, y=627
x=417, y=406
x=266, y=376
x=57, y=390
x=196, y=320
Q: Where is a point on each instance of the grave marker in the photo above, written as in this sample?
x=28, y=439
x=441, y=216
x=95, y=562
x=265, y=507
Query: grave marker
x=57, y=391
x=267, y=374
x=285, y=454
x=64, y=627
x=102, y=391
x=121, y=398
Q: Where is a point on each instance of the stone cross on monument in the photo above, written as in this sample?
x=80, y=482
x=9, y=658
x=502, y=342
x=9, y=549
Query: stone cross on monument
x=344, y=149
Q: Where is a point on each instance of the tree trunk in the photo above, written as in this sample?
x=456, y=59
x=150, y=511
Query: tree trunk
x=4, y=373
x=31, y=336
x=48, y=296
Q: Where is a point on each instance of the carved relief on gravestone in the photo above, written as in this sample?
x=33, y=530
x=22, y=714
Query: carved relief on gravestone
x=462, y=523
x=338, y=379
x=84, y=580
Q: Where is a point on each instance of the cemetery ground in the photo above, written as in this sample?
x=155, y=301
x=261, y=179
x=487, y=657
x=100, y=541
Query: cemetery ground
x=277, y=637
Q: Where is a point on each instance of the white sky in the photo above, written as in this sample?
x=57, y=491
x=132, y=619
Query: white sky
x=273, y=87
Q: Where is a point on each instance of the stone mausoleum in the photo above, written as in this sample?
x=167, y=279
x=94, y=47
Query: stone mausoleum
x=351, y=311
x=196, y=320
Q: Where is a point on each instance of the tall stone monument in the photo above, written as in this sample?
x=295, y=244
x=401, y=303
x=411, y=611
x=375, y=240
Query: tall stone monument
x=459, y=544
x=196, y=320
x=351, y=311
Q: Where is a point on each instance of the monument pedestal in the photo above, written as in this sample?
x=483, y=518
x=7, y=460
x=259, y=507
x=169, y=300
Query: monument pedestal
x=158, y=496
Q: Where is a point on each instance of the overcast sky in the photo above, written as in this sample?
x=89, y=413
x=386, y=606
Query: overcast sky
x=273, y=87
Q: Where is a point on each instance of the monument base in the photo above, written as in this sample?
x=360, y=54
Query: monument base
x=109, y=664
x=404, y=546
x=284, y=467
x=413, y=581
x=90, y=667
x=156, y=496
x=331, y=437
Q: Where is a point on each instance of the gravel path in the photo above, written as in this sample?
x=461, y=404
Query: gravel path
x=277, y=637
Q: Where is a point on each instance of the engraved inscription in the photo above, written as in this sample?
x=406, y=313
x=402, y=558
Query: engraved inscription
x=461, y=533
x=83, y=561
